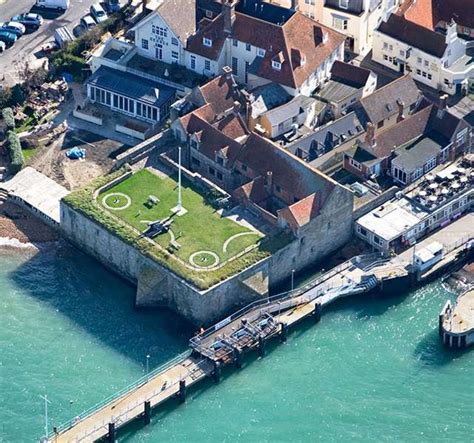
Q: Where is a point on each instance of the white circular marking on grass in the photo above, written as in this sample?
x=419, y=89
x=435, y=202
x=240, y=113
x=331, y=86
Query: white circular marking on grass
x=128, y=201
x=226, y=243
x=194, y=256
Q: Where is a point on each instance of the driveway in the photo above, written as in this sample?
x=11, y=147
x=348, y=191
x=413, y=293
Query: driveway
x=28, y=46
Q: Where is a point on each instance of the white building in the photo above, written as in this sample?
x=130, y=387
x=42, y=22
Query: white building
x=262, y=43
x=440, y=61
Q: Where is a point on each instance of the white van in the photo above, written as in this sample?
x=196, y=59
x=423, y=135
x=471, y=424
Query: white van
x=60, y=5
x=98, y=13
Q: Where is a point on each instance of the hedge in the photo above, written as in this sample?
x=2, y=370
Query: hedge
x=16, y=154
x=7, y=115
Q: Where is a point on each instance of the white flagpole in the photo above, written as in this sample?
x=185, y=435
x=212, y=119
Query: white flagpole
x=46, y=401
x=179, y=180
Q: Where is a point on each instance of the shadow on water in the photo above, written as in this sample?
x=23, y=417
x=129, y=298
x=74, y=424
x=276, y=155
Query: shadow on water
x=431, y=351
x=102, y=304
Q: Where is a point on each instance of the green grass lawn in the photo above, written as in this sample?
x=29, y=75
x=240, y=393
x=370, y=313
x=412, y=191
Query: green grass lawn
x=28, y=153
x=200, y=229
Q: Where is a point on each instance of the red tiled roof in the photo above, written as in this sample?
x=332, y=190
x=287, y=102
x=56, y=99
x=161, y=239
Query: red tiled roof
x=299, y=34
x=304, y=211
x=428, y=13
x=220, y=92
x=254, y=190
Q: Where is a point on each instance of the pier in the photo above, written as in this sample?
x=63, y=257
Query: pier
x=456, y=321
x=249, y=329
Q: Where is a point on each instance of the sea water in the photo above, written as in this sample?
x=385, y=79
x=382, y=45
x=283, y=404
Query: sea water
x=373, y=369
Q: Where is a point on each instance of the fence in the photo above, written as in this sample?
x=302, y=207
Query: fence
x=140, y=382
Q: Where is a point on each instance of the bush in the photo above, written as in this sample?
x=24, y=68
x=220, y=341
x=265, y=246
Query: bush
x=64, y=61
x=9, y=119
x=16, y=154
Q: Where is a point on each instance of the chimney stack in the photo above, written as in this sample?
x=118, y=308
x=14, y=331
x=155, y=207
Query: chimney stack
x=294, y=5
x=401, y=107
x=228, y=11
x=269, y=181
x=370, y=135
x=443, y=101
x=227, y=70
x=236, y=108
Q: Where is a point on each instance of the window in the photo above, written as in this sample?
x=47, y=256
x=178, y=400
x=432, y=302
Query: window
x=430, y=164
x=207, y=42
x=235, y=42
x=380, y=124
x=385, y=57
x=195, y=161
x=207, y=65
x=212, y=171
x=193, y=62
x=355, y=164
x=144, y=44
x=278, y=188
x=158, y=30
x=244, y=167
x=419, y=60
x=248, y=47
x=340, y=23
x=174, y=41
x=446, y=81
x=402, y=53
x=430, y=76
x=344, y=4
x=219, y=176
x=385, y=45
x=139, y=108
x=115, y=100
x=235, y=65
x=427, y=63
x=174, y=54
x=209, y=13
x=260, y=52
x=220, y=161
x=362, y=231
x=418, y=71
x=276, y=65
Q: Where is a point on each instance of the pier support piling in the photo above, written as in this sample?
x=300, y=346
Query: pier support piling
x=261, y=347
x=237, y=358
x=147, y=412
x=182, y=391
x=217, y=373
x=440, y=324
x=111, y=435
x=317, y=312
x=283, y=332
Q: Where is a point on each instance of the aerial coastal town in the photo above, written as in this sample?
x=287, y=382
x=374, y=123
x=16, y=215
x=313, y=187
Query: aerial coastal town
x=242, y=164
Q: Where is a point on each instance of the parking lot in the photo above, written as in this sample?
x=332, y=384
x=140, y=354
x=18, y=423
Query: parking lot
x=28, y=47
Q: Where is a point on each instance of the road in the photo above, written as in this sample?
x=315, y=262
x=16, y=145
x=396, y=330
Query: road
x=27, y=48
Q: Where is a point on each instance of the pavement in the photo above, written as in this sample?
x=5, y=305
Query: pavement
x=28, y=47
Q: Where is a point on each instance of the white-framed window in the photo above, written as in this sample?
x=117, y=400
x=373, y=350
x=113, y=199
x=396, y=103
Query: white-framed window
x=276, y=65
x=248, y=47
x=193, y=62
x=144, y=43
x=340, y=23
x=207, y=65
x=235, y=42
x=419, y=60
x=402, y=53
x=235, y=65
x=355, y=164
x=175, y=55
x=160, y=31
x=260, y=52
x=207, y=42
x=174, y=41
x=385, y=45
x=430, y=164
x=344, y=4
x=426, y=63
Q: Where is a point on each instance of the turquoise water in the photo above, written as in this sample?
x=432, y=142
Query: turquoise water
x=372, y=370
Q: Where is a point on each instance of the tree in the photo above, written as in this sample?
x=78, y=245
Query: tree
x=16, y=154
x=8, y=118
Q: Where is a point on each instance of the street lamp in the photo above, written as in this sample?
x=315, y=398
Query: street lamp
x=292, y=280
x=147, y=365
x=46, y=401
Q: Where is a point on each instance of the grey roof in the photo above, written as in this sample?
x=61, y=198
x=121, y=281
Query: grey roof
x=329, y=136
x=131, y=86
x=268, y=97
x=382, y=103
x=415, y=35
x=336, y=91
x=416, y=153
x=349, y=74
x=180, y=15
x=353, y=7
x=288, y=110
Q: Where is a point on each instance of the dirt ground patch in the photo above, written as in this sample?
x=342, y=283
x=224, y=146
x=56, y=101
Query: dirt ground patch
x=17, y=223
x=51, y=160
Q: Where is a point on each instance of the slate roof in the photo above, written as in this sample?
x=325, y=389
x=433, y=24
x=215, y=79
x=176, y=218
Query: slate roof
x=131, y=86
x=349, y=74
x=382, y=103
x=416, y=153
x=180, y=15
x=414, y=35
x=329, y=136
x=267, y=97
x=294, y=107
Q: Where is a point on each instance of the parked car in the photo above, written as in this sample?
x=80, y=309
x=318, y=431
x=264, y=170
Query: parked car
x=8, y=37
x=3, y=46
x=112, y=6
x=60, y=5
x=29, y=20
x=16, y=28
x=87, y=22
x=49, y=47
x=98, y=13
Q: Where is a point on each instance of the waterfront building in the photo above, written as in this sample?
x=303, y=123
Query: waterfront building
x=439, y=199
x=456, y=321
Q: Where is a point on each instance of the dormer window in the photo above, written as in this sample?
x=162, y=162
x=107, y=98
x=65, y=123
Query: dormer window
x=260, y=52
x=276, y=65
x=344, y=4
x=207, y=42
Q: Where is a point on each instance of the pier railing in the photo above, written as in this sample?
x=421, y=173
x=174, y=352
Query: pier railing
x=283, y=296
x=141, y=381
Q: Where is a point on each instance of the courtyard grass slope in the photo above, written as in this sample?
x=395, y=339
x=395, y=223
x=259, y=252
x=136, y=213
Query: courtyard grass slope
x=200, y=230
